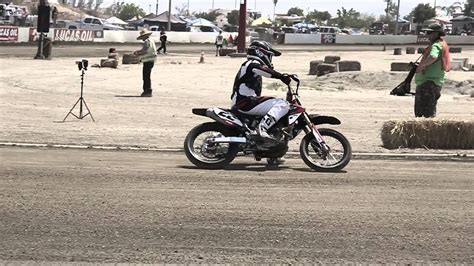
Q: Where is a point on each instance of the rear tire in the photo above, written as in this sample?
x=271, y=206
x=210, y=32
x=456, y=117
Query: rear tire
x=338, y=157
x=206, y=155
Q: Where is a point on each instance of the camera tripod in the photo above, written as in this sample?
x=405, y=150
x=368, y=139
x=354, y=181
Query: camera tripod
x=82, y=103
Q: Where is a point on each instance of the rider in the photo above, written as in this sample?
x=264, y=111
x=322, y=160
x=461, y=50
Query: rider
x=246, y=95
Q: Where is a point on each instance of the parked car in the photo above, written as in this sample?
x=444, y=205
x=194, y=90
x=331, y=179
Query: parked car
x=330, y=29
x=91, y=23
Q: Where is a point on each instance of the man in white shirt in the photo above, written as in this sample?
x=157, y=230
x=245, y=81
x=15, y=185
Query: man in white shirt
x=219, y=42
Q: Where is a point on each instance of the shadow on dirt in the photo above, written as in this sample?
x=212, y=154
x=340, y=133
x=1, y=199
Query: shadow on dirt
x=263, y=168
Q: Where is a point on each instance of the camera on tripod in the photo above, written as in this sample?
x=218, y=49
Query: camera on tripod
x=83, y=64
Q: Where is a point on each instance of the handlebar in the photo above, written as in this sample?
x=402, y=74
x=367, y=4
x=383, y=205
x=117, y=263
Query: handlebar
x=290, y=93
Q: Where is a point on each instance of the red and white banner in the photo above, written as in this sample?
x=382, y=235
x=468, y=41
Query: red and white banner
x=8, y=34
x=66, y=35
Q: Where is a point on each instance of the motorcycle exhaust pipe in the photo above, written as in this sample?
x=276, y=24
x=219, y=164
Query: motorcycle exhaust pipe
x=240, y=140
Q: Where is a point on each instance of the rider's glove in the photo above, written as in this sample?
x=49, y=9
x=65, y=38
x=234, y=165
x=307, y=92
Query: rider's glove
x=285, y=78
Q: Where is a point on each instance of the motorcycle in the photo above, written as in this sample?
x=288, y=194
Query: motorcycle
x=214, y=145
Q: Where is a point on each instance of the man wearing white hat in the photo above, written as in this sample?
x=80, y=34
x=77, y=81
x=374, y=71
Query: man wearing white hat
x=148, y=57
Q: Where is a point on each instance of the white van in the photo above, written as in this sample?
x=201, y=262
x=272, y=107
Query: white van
x=331, y=30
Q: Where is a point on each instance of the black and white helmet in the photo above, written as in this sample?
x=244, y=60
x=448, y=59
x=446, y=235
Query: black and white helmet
x=263, y=52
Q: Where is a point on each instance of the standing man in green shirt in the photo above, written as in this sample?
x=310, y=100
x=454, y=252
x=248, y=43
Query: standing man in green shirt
x=148, y=57
x=430, y=72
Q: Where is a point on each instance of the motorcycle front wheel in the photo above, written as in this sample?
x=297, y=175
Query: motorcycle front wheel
x=203, y=153
x=339, y=155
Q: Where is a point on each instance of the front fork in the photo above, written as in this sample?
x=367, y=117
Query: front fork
x=310, y=127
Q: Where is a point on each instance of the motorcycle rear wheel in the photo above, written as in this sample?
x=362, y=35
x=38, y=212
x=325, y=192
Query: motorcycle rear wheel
x=205, y=154
x=339, y=155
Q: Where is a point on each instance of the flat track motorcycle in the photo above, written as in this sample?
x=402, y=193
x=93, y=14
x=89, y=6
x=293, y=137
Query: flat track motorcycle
x=214, y=145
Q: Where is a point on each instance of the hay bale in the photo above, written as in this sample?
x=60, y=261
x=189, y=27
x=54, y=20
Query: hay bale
x=455, y=49
x=324, y=69
x=410, y=50
x=227, y=51
x=112, y=63
x=348, y=66
x=397, y=51
x=330, y=59
x=400, y=66
x=130, y=59
x=428, y=134
x=421, y=50
x=313, y=65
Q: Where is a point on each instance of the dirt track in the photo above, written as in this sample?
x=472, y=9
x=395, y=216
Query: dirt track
x=97, y=206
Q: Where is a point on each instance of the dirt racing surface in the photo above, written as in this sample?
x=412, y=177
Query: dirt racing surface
x=99, y=206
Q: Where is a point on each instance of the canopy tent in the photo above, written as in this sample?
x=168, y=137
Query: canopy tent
x=260, y=21
x=116, y=21
x=199, y=22
x=161, y=21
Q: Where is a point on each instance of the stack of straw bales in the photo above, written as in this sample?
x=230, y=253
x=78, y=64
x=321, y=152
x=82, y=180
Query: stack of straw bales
x=428, y=133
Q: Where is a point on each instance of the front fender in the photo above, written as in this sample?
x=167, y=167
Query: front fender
x=323, y=119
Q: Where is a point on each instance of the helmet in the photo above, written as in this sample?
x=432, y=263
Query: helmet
x=263, y=52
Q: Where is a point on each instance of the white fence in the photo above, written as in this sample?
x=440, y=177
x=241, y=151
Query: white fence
x=22, y=35
x=366, y=39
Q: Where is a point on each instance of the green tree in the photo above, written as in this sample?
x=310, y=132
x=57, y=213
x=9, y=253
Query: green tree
x=211, y=16
x=233, y=17
x=318, y=16
x=97, y=4
x=346, y=18
x=296, y=11
x=422, y=12
x=469, y=8
x=128, y=11
x=391, y=9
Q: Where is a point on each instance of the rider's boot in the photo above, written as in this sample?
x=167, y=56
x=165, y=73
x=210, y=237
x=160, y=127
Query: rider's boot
x=267, y=122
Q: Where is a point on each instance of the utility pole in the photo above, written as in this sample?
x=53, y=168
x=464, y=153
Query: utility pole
x=398, y=17
x=169, y=16
x=212, y=4
x=188, y=8
x=242, y=24
x=156, y=7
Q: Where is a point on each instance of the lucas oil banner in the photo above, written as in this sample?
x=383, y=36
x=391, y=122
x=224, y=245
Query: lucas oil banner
x=67, y=35
x=8, y=34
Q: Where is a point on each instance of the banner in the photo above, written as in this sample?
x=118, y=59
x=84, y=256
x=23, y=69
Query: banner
x=8, y=34
x=66, y=35
x=98, y=34
x=328, y=38
x=422, y=39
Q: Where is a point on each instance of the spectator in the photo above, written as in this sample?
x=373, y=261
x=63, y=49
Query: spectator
x=54, y=16
x=163, y=40
x=219, y=42
x=431, y=71
x=148, y=57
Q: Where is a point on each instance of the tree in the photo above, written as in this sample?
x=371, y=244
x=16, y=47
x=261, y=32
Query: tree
x=211, y=16
x=469, y=8
x=97, y=4
x=391, y=9
x=422, y=12
x=182, y=10
x=89, y=4
x=318, y=16
x=233, y=17
x=346, y=17
x=295, y=11
x=128, y=11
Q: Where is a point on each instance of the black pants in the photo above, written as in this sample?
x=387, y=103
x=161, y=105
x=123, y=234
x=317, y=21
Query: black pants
x=147, y=66
x=426, y=99
x=163, y=46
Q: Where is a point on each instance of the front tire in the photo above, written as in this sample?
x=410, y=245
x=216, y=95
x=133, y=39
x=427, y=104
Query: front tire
x=338, y=157
x=205, y=154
